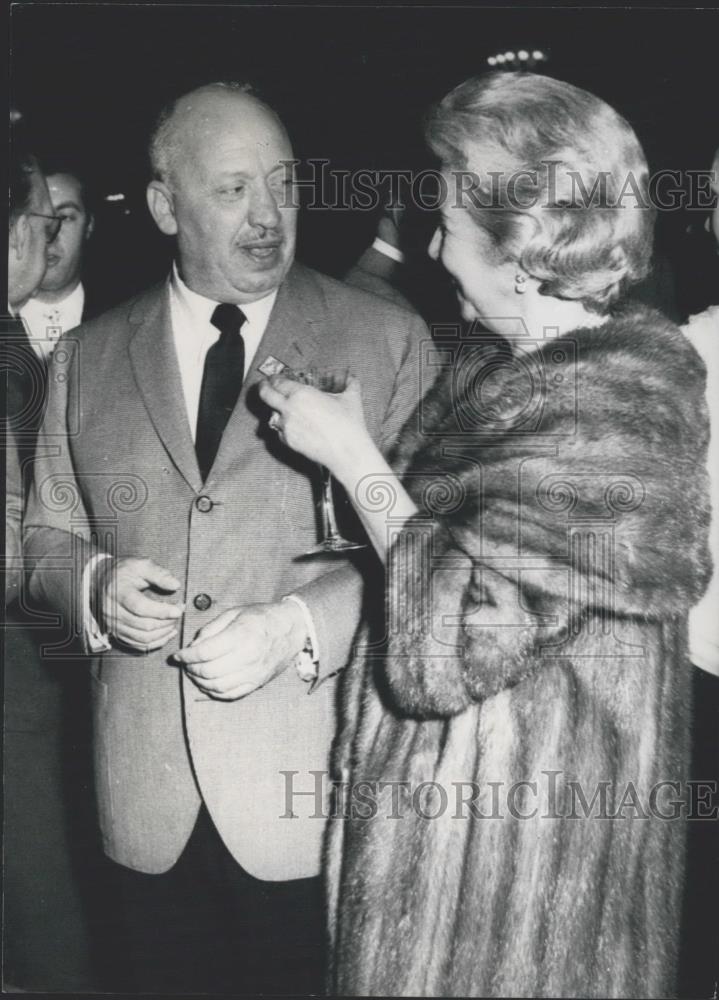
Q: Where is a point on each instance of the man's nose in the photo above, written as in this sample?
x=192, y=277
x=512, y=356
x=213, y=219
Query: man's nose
x=263, y=209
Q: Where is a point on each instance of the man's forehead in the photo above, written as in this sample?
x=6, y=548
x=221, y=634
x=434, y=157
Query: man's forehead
x=40, y=196
x=65, y=187
x=215, y=149
x=217, y=111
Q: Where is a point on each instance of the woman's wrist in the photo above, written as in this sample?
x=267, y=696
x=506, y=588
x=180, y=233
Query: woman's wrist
x=359, y=459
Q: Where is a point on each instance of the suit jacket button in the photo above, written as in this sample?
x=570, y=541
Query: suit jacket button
x=202, y=602
x=204, y=504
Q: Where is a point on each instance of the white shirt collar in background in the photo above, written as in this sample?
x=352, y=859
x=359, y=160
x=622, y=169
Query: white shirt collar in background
x=194, y=335
x=47, y=321
x=388, y=250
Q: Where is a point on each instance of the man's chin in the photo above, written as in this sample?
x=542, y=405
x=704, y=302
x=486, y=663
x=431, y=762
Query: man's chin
x=262, y=280
x=56, y=277
x=51, y=286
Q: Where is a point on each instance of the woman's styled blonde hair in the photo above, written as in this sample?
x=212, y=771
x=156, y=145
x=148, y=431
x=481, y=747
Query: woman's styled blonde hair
x=555, y=177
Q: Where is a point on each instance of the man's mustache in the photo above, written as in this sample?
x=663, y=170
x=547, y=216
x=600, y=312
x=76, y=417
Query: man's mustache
x=273, y=239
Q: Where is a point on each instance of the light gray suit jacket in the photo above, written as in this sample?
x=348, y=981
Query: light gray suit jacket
x=116, y=467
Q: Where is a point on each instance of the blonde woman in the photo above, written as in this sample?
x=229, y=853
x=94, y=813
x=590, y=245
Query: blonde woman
x=520, y=739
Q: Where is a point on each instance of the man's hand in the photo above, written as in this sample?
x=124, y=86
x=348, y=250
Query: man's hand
x=243, y=649
x=125, y=608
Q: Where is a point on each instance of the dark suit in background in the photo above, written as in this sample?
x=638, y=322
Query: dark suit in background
x=379, y=274
x=49, y=839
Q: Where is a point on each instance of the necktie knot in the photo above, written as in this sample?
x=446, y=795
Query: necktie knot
x=228, y=318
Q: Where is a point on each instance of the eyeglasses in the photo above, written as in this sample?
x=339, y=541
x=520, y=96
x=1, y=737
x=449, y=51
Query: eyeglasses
x=52, y=225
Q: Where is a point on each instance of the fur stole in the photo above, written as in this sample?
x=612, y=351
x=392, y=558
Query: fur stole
x=569, y=479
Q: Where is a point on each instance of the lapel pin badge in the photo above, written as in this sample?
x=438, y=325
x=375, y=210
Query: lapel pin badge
x=271, y=366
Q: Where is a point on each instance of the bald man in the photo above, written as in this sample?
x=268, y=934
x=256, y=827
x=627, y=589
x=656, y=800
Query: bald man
x=215, y=646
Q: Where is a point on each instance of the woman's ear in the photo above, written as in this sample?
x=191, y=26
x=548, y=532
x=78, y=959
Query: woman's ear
x=162, y=207
x=618, y=259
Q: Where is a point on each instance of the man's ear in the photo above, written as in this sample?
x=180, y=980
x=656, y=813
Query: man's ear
x=162, y=207
x=90, y=227
x=19, y=236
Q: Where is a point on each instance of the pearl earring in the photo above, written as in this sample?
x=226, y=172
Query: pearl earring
x=520, y=284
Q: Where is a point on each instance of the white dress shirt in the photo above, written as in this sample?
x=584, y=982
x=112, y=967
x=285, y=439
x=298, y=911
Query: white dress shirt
x=45, y=322
x=194, y=335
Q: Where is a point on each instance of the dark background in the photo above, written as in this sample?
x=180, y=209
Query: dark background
x=351, y=83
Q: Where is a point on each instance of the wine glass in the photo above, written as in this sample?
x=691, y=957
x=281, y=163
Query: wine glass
x=332, y=380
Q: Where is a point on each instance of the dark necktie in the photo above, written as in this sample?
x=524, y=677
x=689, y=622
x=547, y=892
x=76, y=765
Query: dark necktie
x=221, y=383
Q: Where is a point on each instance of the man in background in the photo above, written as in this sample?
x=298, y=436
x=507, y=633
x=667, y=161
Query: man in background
x=380, y=268
x=32, y=229
x=397, y=267
x=61, y=302
x=45, y=942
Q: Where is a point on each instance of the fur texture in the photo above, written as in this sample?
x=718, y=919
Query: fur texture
x=536, y=633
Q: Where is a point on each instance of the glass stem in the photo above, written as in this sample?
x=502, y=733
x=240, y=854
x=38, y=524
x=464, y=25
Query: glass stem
x=328, y=507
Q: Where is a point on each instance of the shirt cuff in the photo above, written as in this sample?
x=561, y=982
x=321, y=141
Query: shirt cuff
x=306, y=661
x=97, y=641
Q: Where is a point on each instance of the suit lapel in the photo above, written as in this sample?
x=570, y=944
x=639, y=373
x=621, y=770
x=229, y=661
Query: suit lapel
x=294, y=335
x=157, y=373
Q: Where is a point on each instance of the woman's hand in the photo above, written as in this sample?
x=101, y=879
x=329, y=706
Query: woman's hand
x=328, y=428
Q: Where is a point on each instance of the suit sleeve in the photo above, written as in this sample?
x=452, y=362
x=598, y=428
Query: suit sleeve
x=335, y=600
x=57, y=541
